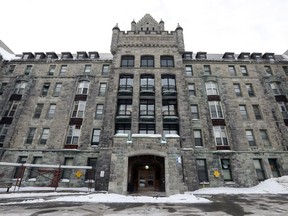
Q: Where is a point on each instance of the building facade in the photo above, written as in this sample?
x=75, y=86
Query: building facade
x=150, y=116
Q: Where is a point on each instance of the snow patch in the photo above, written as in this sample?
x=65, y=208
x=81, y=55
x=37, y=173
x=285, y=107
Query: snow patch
x=6, y=55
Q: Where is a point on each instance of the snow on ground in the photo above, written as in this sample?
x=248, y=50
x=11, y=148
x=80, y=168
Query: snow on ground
x=269, y=186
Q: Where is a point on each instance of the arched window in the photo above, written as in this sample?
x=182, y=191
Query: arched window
x=127, y=61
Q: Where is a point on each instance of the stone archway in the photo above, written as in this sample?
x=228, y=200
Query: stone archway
x=146, y=173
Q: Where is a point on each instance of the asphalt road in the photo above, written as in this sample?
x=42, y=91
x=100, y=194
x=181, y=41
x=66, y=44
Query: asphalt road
x=222, y=205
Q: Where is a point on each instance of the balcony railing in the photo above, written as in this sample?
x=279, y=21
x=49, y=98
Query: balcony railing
x=169, y=90
x=125, y=90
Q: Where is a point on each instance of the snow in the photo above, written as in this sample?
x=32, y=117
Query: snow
x=269, y=186
x=6, y=55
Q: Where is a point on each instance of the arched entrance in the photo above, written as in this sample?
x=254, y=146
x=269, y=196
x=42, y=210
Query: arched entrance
x=146, y=173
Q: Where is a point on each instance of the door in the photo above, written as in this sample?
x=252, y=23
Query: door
x=146, y=180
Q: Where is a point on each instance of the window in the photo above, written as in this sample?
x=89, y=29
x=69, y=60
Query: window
x=169, y=108
x=105, y=69
x=78, y=109
x=276, y=88
x=244, y=70
x=147, y=84
x=170, y=129
x=250, y=90
x=87, y=69
x=265, y=138
x=3, y=132
x=167, y=61
x=189, y=71
x=147, y=129
x=243, y=112
x=30, y=135
x=124, y=107
x=191, y=89
x=226, y=170
x=274, y=167
x=198, y=138
x=83, y=87
x=195, y=111
x=90, y=174
x=232, y=71
x=19, y=88
x=268, y=70
x=95, y=137
x=168, y=85
x=57, y=89
x=147, y=61
x=211, y=88
x=285, y=68
x=99, y=111
x=250, y=138
x=126, y=85
x=237, y=89
x=11, y=68
x=52, y=70
x=38, y=110
x=207, y=70
x=147, y=107
x=2, y=87
x=102, y=89
x=220, y=135
x=12, y=107
x=215, y=109
x=257, y=112
x=44, y=135
x=67, y=172
x=259, y=169
x=28, y=69
x=202, y=170
x=284, y=109
x=34, y=170
x=19, y=170
x=45, y=89
x=63, y=70
x=123, y=129
x=73, y=134
x=51, y=111
x=127, y=61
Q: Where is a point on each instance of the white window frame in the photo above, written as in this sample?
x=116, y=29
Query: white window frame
x=220, y=134
x=44, y=136
x=83, y=87
x=51, y=111
x=73, y=134
x=20, y=87
x=57, y=89
x=276, y=88
x=211, y=88
x=78, y=109
x=217, y=112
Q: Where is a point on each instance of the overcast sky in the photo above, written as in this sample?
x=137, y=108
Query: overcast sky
x=214, y=26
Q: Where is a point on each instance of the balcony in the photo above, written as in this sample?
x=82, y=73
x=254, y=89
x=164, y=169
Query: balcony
x=168, y=90
x=147, y=90
x=170, y=116
x=147, y=116
x=125, y=90
x=124, y=116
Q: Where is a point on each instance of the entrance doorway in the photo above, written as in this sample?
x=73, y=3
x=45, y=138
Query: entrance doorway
x=146, y=173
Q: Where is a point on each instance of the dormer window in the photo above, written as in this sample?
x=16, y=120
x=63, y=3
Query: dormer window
x=39, y=56
x=66, y=55
x=27, y=55
x=228, y=55
x=256, y=56
x=93, y=55
x=82, y=55
x=244, y=55
x=51, y=55
x=187, y=55
x=201, y=55
x=268, y=56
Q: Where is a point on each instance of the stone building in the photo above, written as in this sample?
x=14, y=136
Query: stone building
x=150, y=116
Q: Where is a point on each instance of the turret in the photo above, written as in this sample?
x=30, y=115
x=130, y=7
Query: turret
x=114, y=41
x=180, y=39
x=133, y=25
x=161, y=23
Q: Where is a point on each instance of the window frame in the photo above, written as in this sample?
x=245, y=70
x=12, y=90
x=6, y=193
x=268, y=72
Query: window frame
x=231, y=70
x=83, y=88
x=237, y=89
x=243, y=70
x=87, y=69
x=78, y=109
x=95, y=138
x=217, y=112
x=102, y=89
x=250, y=90
x=259, y=169
x=189, y=70
x=207, y=70
x=202, y=171
x=99, y=111
x=226, y=169
x=44, y=136
x=45, y=89
x=257, y=112
x=147, y=61
x=244, y=112
x=198, y=140
x=194, y=111
x=127, y=61
x=250, y=137
x=50, y=114
x=63, y=70
x=28, y=70
x=51, y=70
x=105, y=70
x=3, y=132
x=57, y=89
x=167, y=61
x=211, y=88
x=38, y=110
x=220, y=134
x=73, y=135
x=30, y=135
